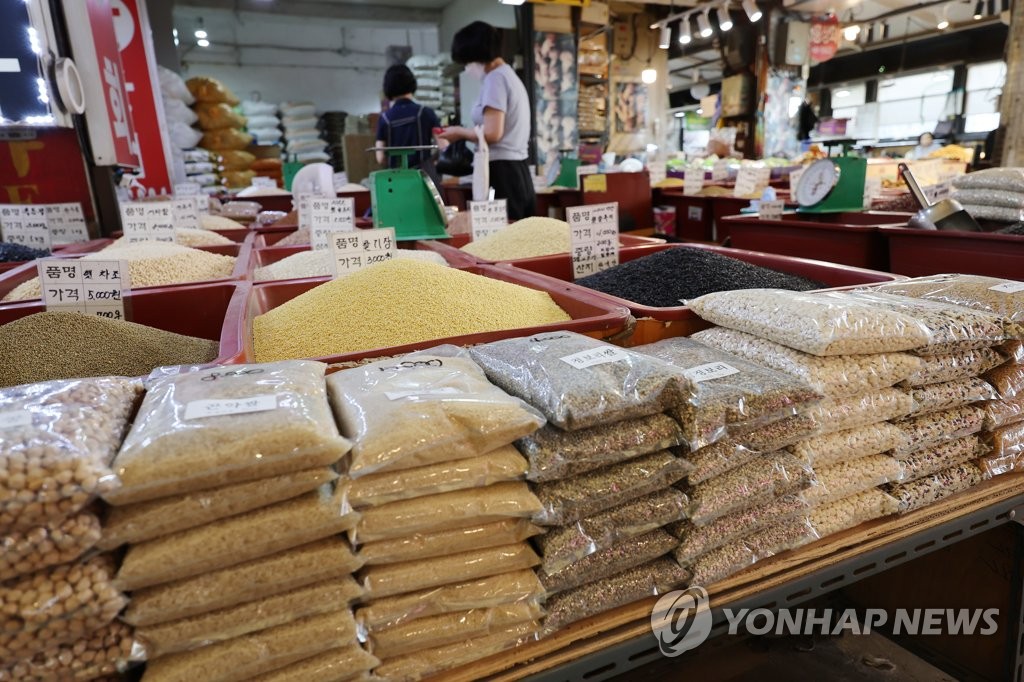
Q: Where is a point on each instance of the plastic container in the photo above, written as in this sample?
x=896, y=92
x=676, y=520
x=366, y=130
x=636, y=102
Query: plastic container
x=207, y=311
x=655, y=324
x=591, y=314
x=930, y=252
x=456, y=242
x=846, y=238
x=693, y=215
x=261, y=258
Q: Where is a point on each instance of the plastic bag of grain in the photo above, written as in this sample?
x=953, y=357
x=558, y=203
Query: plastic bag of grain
x=1003, y=412
x=721, y=563
x=839, y=414
x=343, y=663
x=950, y=394
x=241, y=658
x=440, y=543
x=835, y=377
x=813, y=323
x=952, y=366
x=766, y=477
x=851, y=511
x=446, y=511
x=931, y=460
x=556, y=454
x=873, y=439
x=564, y=502
x=998, y=296
x=57, y=440
x=110, y=650
x=330, y=559
x=607, y=562
x=236, y=539
x=199, y=430
x=28, y=551
x=135, y=523
x=495, y=590
x=843, y=479
x=936, y=428
x=426, y=408
x=501, y=465
x=780, y=537
x=1008, y=379
x=938, y=486
x=579, y=382
x=729, y=392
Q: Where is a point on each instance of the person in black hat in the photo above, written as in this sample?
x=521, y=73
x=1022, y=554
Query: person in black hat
x=405, y=123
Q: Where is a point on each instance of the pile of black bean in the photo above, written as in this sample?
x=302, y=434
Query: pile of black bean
x=10, y=253
x=666, y=278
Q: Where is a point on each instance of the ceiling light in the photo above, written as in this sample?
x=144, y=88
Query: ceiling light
x=944, y=19
x=843, y=93
x=680, y=114
x=200, y=33
x=979, y=10
x=851, y=32
x=750, y=7
x=724, y=19
x=704, y=24
x=203, y=42
x=649, y=75
x=511, y=2
x=654, y=26
x=174, y=32
x=684, y=31
x=666, y=37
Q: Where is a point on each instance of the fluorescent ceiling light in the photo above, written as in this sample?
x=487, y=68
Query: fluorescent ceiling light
x=649, y=76
x=666, y=37
x=704, y=24
x=203, y=42
x=200, y=33
x=843, y=93
x=724, y=19
x=753, y=13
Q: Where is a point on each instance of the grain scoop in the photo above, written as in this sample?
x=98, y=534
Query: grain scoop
x=946, y=214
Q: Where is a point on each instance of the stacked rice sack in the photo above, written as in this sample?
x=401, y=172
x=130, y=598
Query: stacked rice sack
x=434, y=88
x=602, y=468
x=58, y=600
x=178, y=101
x=231, y=518
x=444, y=511
x=223, y=128
x=302, y=137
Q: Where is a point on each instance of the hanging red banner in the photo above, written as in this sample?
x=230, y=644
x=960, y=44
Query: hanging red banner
x=825, y=37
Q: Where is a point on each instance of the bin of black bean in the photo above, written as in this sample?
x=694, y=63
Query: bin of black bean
x=664, y=279
x=10, y=253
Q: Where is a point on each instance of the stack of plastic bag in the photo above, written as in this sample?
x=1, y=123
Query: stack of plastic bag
x=434, y=87
x=737, y=425
x=301, y=135
x=995, y=194
x=231, y=518
x=178, y=112
x=263, y=122
x=204, y=168
x=444, y=511
x=58, y=599
x=602, y=468
x=223, y=128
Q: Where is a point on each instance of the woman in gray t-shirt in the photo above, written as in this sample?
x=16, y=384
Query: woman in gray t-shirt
x=503, y=109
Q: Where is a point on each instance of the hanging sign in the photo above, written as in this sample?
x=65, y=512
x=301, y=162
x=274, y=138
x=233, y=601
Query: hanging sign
x=825, y=37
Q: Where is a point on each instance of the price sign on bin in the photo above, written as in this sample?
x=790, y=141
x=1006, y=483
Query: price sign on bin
x=25, y=224
x=148, y=221
x=328, y=216
x=67, y=223
x=94, y=287
x=487, y=217
x=594, y=231
x=359, y=249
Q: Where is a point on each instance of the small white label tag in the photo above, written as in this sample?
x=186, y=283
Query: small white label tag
x=597, y=356
x=589, y=169
x=25, y=224
x=487, y=217
x=148, y=221
x=67, y=223
x=186, y=212
x=693, y=181
x=442, y=391
x=90, y=287
x=771, y=210
x=1008, y=287
x=751, y=181
x=357, y=250
x=712, y=370
x=328, y=216
x=594, y=231
x=15, y=418
x=263, y=182
x=720, y=171
x=794, y=178
x=197, y=409
x=657, y=170
x=695, y=213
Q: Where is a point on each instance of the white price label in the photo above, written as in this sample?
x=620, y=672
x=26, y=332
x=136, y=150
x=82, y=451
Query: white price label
x=15, y=418
x=148, y=221
x=186, y=212
x=695, y=213
x=197, y=409
x=487, y=217
x=794, y=178
x=328, y=216
x=1008, y=287
x=720, y=171
x=596, y=356
x=693, y=181
x=202, y=203
x=187, y=189
x=442, y=391
x=938, y=191
x=712, y=370
x=594, y=231
x=771, y=210
x=67, y=223
x=657, y=170
x=751, y=181
x=264, y=182
x=25, y=224
x=357, y=250
x=91, y=287
x=589, y=169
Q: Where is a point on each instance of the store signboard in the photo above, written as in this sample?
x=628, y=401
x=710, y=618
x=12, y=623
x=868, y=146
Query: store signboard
x=93, y=287
x=594, y=230
x=131, y=26
x=94, y=46
x=357, y=250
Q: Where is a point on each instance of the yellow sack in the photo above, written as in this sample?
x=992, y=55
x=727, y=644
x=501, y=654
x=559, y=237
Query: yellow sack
x=217, y=115
x=210, y=90
x=226, y=139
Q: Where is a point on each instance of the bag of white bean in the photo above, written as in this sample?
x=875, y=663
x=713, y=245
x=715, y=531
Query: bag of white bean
x=845, y=513
x=832, y=448
x=813, y=323
x=839, y=414
x=424, y=408
x=1001, y=297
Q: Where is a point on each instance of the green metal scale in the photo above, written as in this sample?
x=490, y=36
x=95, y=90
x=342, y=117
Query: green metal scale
x=406, y=198
x=833, y=185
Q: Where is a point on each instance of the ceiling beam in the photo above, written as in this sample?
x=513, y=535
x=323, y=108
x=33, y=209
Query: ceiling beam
x=305, y=8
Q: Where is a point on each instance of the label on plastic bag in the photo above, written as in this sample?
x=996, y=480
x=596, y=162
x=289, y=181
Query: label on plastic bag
x=596, y=356
x=444, y=390
x=15, y=418
x=712, y=370
x=90, y=287
x=594, y=231
x=1008, y=287
x=197, y=409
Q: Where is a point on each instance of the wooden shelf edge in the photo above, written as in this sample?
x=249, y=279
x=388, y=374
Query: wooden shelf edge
x=633, y=620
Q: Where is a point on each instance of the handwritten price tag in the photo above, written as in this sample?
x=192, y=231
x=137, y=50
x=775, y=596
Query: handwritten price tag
x=693, y=181
x=67, y=223
x=94, y=287
x=357, y=250
x=487, y=217
x=148, y=221
x=197, y=409
x=751, y=181
x=187, y=189
x=594, y=230
x=186, y=212
x=720, y=171
x=596, y=356
x=771, y=210
x=329, y=216
x=25, y=224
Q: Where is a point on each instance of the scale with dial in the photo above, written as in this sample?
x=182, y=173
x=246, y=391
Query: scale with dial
x=832, y=186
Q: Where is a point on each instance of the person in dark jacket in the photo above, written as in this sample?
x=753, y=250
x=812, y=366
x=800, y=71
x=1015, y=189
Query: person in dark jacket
x=405, y=123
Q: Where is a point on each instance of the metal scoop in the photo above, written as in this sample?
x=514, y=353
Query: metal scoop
x=947, y=214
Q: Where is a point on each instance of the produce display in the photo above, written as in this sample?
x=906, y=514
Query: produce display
x=526, y=238
x=13, y=253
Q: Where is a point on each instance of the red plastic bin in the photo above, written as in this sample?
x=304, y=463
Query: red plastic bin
x=654, y=324
x=591, y=314
x=283, y=202
x=207, y=311
x=930, y=252
x=845, y=238
x=261, y=258
x=455, y=243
